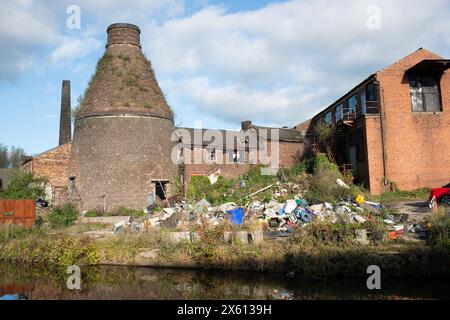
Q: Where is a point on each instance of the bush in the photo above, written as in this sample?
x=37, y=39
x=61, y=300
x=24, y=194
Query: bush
x=323, y=131
x=62, y=216
x=323, y=186
x=440, y=230
x=199, y=188
x=328, y=233
x=23, y=186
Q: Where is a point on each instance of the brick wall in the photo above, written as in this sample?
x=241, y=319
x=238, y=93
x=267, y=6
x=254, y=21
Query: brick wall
x=116, y=160
x=53, y=165
x=374, y=154
x=416, y=143
x=289, y=153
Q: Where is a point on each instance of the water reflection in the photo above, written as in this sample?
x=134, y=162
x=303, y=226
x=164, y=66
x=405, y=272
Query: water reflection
x=146, y=283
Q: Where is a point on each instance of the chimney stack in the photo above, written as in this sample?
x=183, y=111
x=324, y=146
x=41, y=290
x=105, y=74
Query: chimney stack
x=65, y=124
x=124, y=33
x=246, y=125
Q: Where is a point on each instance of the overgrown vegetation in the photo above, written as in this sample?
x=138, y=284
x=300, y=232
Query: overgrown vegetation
x=23, y=186
x=99, y=69
x=323, y=187
x=440, y=230
x=58, y=252
x=122, y=211
x=317, y=175
x=60, y=217
x=323, y=131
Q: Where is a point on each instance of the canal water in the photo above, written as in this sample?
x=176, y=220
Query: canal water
x=122, y=283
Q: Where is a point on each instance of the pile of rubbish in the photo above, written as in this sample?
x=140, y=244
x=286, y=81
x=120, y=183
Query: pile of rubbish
x=274, y=215
x=278, y=219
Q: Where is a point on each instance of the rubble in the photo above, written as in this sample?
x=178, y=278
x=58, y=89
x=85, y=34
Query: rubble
x=278, y=218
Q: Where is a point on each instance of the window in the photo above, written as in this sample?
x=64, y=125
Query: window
x=425, y=94
x=237, y=156
x=1, y=184
x=339, y=112
x=372, y=92
x=160, y=189
x=352, y=103
x=212, y=155
x=363, y=103
x=329, y=118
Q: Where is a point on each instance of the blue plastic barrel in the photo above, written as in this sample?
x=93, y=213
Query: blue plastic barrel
x=236, y=216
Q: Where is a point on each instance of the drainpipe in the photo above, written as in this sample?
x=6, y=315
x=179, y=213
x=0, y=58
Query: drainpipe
x=383, y=133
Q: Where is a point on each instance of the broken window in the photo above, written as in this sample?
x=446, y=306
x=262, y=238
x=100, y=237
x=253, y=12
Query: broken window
x=425, y=94
x=161, y=189
x=212, y=155
x=237, y=156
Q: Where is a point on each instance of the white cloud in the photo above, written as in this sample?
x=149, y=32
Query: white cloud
x=277, y=65
x=25, y=31
x=285, y=61
x=72, y=49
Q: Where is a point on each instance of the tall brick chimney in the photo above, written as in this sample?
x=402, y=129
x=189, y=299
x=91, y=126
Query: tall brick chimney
x=65, y=125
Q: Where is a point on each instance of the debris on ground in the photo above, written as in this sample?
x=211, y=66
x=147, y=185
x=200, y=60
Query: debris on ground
x=279, y=217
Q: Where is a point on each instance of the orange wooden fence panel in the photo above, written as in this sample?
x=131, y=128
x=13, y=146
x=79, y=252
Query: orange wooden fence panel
x=19, y=212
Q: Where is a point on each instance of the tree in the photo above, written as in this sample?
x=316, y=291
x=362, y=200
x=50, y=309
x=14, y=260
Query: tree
x=23, y=186
x=15, y=157
x=76, y=110
x=4, y=157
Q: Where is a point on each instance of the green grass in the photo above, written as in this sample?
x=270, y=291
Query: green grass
x=399, y=195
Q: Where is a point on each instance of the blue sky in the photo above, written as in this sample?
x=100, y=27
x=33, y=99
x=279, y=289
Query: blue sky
x=218, y=62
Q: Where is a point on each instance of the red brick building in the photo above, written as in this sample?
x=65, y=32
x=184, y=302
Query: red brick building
x=393, y=128
x=53, y=167
x=230, y=154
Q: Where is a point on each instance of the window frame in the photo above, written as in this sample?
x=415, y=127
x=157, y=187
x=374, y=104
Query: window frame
x=212, y=154
x=419, y=90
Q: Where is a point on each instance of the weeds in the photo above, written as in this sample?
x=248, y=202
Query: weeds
x=60, y=217
x=440, y=230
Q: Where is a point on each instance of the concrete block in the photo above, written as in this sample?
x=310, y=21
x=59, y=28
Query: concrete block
x=361, y=237
x=242, y=237
x=257, y=236
x=177, y=237
x=228, y=237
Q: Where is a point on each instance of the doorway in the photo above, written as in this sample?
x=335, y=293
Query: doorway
x=161, y=189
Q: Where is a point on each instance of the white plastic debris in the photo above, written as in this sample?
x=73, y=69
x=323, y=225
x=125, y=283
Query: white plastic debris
x=342, y=184
x=169, y=211
x=290, y=206
x=359, y=218
x=120, y=225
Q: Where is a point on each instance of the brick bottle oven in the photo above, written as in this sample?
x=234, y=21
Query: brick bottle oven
x=122, y=141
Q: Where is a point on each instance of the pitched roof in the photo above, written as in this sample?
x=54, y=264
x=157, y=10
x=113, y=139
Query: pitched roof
x=284, y=134
x=211, y=137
